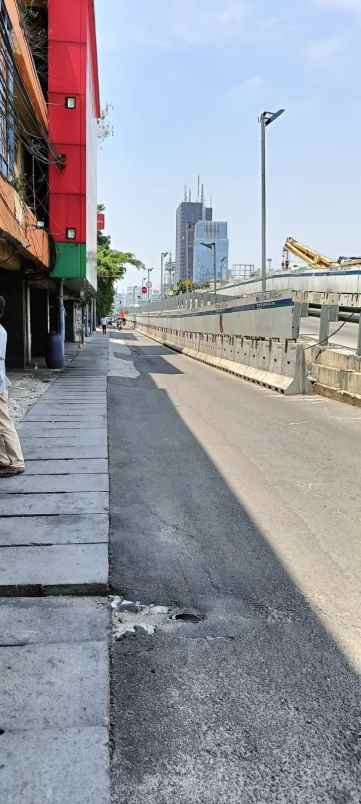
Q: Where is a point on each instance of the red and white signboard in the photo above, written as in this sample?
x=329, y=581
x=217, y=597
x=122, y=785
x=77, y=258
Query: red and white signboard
x=101, y=221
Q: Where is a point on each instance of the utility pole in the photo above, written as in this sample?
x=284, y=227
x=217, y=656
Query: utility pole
x=223, y=260
x=265, y=119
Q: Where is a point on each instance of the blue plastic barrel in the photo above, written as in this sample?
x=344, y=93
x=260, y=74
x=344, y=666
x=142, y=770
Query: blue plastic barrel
x=55, y=351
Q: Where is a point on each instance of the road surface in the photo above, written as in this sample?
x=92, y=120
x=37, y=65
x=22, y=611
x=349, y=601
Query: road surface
x=346, y=337
x=245, y=506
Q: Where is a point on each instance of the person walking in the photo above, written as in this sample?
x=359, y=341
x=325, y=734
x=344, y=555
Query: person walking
x=103, y=322
x=11, y=456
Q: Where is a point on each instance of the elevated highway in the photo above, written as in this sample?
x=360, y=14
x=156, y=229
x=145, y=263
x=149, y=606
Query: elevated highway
x=318, y=287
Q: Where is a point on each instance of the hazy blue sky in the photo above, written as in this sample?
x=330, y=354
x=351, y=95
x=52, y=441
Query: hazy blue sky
x=188, y=79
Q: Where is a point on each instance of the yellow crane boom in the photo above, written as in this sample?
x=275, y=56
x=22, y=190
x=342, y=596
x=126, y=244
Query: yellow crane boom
x=314, y=258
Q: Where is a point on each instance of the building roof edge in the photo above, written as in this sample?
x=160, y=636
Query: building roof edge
x=94, y=52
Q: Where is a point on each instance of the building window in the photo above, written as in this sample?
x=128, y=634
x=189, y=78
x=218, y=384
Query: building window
x=7, y=117
x=71, y=234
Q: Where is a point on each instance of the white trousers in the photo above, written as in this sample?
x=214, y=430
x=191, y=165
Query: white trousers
x=11, y=454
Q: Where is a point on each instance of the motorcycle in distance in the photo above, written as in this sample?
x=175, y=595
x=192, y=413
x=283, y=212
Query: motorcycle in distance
x=121, y=322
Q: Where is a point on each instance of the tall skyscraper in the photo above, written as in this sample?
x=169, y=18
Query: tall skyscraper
x=203, y=267
x=188, y=215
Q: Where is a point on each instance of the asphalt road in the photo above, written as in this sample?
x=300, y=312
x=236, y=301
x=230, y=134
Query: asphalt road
x=244, y=505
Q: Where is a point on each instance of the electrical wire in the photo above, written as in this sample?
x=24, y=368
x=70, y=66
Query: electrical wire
x=20, y=87
x=36, y=143
x=331, y=334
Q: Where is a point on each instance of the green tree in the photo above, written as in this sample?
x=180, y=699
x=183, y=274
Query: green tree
x=112, y=265
x=183, y=285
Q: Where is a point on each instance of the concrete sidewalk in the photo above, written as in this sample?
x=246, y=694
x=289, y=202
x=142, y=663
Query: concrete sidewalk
x=54, y=665
x=54, y=519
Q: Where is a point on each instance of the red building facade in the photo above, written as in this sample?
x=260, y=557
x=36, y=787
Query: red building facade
x=74, y=107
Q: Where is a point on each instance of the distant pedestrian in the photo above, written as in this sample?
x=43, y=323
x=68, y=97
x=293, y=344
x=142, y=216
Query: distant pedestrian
x=103, y=322
x=11, y=456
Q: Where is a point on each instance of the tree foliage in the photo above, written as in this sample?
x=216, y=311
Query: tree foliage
x=184, y=285
x=105, y=125
x=112, y=265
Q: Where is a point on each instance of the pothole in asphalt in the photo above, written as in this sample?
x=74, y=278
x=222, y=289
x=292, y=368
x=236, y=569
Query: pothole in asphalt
x=130, y=618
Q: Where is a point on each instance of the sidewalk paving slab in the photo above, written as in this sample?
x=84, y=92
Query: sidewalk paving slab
x=56, y=766
x=81, y=502
x=47, y=428
x=46, y=450
x=62, y=686
x=27, y=621
x=49, y=530
x=54, y=568
x=70, y=420
x=99, y=409
x=68, y=466
x=30, y=484
x=90, y=438
x=41, y=430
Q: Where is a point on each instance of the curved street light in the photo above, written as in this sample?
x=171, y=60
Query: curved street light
x=265, y=119
x=212, y=247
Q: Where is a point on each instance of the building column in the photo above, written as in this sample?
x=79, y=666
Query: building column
x=70, y=327
x=39, y=320
x=14, y=290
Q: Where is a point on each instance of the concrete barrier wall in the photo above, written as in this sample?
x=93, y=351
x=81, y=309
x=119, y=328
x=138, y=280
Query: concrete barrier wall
x=272, y=318
x=275, y=364
x=336, y=373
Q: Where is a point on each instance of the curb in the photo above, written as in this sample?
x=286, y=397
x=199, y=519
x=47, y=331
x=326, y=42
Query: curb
x=334, y=393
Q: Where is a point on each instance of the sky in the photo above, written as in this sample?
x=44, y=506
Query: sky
x=187, y=80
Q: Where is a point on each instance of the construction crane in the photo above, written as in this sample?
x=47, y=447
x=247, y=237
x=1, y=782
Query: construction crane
x=314, y=258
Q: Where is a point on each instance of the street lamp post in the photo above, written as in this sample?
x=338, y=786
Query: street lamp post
x=223, y=260
x=212, y=247
x=265, y=119
x=188, y=231
x=163, y=255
